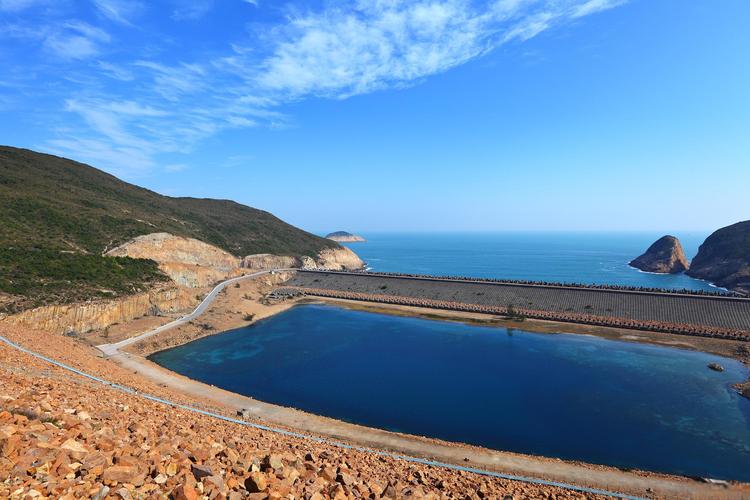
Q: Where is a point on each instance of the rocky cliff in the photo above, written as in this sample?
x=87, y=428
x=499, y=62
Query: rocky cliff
x=83, y=318
x=187, y=261
x=724, y=258
x=337, y=259
x=665, y=255
x=343, y=236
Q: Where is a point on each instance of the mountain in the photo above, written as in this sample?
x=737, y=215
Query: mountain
x=58, y=216
x=343, y=236
x=665, y=255
x=724, y=258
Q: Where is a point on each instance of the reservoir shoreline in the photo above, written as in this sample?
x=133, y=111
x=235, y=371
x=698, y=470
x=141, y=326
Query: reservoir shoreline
x=223, y=316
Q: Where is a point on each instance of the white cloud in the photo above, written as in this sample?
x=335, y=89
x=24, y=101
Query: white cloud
x=148, y=106
x=594, y=6
x=119, y=11
x=76, y=40
x=345, y=51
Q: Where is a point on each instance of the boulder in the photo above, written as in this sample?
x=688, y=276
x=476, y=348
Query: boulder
x=665, y=256
x=724, y=258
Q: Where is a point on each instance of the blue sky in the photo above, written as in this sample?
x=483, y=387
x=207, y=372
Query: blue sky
x=371, y=115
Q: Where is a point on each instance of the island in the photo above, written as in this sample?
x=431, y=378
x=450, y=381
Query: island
x=343, y=236
x=724, y=258
x=664, y=256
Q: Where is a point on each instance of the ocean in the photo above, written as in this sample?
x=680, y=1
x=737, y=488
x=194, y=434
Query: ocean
x=592, y=258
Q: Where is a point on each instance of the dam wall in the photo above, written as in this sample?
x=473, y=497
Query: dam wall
x=674, y=312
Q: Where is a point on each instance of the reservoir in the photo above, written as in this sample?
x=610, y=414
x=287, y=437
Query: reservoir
x=570, y=396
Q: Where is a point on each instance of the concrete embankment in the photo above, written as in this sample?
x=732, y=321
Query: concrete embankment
x=674, y=313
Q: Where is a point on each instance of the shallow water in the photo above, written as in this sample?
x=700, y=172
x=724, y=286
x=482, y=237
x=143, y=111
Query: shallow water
x=600, y=258
x=569, y=396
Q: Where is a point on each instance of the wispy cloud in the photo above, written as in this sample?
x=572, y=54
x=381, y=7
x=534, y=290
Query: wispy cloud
x=143, y=104
x=119, y=11
x=594, y=6
x=192, y=9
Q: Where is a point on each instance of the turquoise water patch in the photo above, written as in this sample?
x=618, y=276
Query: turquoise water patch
x=561, y=395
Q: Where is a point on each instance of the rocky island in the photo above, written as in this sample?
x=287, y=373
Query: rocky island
x=724, y=258
x=343, y=236
x=665, y=256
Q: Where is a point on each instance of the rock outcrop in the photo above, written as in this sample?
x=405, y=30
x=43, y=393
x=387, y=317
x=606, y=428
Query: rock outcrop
x=86, y=317
x=724, y=258
x=269, y=261
x=187, y=261
x=345, y=237
x=337, y=259
x=664, y=256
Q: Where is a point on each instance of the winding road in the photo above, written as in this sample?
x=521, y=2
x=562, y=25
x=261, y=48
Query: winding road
x=113, y=349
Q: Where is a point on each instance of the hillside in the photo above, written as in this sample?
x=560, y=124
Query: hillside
x=724, y=258
x=58, y=216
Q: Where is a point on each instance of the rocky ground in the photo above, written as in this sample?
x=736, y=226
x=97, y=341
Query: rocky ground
x=62, y=436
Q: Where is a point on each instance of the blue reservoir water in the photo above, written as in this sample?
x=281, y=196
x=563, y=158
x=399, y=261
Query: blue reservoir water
x=561, y=395
x=600, y=258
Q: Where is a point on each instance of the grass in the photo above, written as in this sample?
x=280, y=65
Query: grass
x=40, y=276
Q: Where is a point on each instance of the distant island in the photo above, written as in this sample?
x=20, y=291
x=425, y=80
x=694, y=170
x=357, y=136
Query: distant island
x=343, y=236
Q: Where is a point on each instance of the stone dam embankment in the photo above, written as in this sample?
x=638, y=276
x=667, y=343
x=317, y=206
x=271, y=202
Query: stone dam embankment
x=674, y=312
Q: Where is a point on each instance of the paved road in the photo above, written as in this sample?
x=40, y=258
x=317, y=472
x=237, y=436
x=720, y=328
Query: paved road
x=112, y=349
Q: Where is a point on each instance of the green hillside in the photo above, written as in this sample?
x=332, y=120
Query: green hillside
x=66, y=211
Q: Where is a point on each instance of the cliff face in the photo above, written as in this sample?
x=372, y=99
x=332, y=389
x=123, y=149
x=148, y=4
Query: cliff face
x=724, y=258
x=269, y=261
x=187, y=261
x=337, y=259
x=663, y=256
x=82, y=318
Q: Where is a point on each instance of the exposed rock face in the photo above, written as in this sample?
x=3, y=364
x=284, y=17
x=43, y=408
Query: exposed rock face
x=189, y=262
x=724, y=258
x=344, y=237
x=664, y=256
x=339, y=259
x=82, y=318
x=336, y=259
x=269, y=261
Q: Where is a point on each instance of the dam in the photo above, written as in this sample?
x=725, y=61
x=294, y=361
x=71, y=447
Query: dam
x=711, y=315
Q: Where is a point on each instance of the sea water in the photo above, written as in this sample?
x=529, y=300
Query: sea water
x=600, y=258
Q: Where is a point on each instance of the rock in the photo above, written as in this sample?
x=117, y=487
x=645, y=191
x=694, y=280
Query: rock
x=123, y=474
x=343, y=236
x=189, y=262
x=664, y=256
x=201, y=471
x=716, y=367
x=273, y=462
x=185, y=492
x=336, y=259
x=255, y=482
x=724, y=258
x=244, y=413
